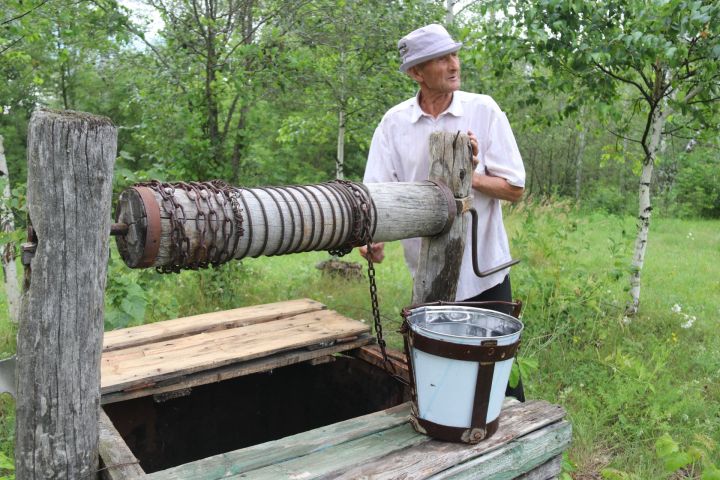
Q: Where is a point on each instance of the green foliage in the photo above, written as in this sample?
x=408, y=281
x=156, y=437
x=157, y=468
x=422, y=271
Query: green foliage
x=697, y=189
x=7, y=467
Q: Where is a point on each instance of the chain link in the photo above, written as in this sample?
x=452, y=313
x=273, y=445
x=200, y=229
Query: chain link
x=214, y=227
x=362, y=230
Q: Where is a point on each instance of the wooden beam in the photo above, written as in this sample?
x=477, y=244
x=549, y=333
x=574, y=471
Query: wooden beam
x=70, y=165
x=118, y=462
x=288, y=448
x=275, y=220
x=433, y=457
x=438, y=269
x=516, y=459
x=384, y=445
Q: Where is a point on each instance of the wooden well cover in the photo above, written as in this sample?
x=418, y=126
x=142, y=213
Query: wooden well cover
x=176, y=354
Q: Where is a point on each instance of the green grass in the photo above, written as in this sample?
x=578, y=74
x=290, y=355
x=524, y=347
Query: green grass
x=624, y=382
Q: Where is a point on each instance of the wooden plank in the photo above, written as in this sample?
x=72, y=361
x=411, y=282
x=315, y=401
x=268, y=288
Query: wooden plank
x=548, y=470
x=333, y=460
x=206, y=322
x=362, y=454
x=433, y=457
x=151, y=363
x=515, y=458
x=288, y=448
x=372, y=355
x=232, y=371
x=117, y=461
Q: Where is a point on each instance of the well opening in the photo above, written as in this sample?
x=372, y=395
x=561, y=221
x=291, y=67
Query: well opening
x=163, y=432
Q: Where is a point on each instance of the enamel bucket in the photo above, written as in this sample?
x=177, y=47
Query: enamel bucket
x=460, y=359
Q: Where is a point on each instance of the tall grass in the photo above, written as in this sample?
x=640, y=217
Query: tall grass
x=626, y=383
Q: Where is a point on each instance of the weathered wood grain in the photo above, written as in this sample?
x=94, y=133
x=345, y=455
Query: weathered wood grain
x=150, y=363
x=433, y=457
x=440, y=256
x=70, y=163
x=206, y=322
x=214, y=375
x=278, y=220
x=288, y=448
x=117, y=461
x=515, y=458
x=373, y=355
x=384, y=445
x=547, y=471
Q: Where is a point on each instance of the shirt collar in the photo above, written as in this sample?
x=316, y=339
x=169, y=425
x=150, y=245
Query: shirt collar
x=454, y=109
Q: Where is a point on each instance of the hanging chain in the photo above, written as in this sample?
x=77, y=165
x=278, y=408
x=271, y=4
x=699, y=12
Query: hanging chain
x=363, y=228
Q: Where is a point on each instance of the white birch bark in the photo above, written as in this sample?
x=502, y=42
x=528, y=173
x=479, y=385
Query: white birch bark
x=449, y=13
x=340, y=160
x=645, y=207
x=7, y=252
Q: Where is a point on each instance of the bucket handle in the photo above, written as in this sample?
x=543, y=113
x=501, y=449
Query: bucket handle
x=517, y=306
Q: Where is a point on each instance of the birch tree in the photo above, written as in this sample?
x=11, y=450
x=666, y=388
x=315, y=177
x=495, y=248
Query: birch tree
x=7, y=251
x=667, y=52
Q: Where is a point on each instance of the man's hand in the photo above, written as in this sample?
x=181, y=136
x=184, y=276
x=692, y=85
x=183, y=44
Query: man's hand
x=377, y=255
x=475, y=148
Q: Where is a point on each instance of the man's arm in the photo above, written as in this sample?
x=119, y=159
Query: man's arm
x=496, y=187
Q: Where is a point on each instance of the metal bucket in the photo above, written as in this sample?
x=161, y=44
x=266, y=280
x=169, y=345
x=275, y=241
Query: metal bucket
x=460, y=359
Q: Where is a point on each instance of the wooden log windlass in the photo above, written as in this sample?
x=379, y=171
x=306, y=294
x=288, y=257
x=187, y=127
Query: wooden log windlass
x=193, y=225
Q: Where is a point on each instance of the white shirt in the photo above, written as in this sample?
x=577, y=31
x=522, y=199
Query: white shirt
x=400, y=153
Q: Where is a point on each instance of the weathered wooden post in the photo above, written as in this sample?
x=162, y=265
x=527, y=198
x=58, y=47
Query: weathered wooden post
x=440, y=256
x=70, y=164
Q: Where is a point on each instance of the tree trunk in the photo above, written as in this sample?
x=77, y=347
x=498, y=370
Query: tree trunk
x=449, y=13
x=7, y=252
x=659, y=117
x=70, y=164
x=340, y=160
x=579, y=159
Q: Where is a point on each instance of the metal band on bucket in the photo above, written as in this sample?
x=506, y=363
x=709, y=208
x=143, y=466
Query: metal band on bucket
x=489, y=351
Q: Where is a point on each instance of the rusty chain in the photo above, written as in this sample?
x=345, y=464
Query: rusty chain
x=363, y=216
x=213, y=248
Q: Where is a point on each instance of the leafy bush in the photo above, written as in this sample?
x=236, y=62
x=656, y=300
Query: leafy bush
x=697, y=186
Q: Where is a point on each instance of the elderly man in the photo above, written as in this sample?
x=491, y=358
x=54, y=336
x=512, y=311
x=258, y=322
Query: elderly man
x=399, y=153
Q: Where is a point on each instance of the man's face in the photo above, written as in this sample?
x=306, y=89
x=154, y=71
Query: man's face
x=441, y=74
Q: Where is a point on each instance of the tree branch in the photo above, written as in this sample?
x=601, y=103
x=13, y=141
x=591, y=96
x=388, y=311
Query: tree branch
x=624, y=80
x=18, y=17
x=624, y=137
x=10, y=45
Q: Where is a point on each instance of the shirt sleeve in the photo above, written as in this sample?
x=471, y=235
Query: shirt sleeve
x=380, y=165
x=502, y=156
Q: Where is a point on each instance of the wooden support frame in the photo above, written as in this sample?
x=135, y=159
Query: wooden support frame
x=440, y=257
x=70, y=164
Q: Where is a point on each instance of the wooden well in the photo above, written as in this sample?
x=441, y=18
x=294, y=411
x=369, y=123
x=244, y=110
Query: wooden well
x=287, y=390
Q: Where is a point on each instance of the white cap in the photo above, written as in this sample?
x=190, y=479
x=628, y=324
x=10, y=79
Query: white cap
x=425, y=43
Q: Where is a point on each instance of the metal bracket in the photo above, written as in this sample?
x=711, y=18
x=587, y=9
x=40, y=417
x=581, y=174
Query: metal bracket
x=476, y=267
x=451, y=205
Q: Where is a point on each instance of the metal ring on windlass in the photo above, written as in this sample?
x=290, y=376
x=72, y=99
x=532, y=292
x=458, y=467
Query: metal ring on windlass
x=152, y=236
